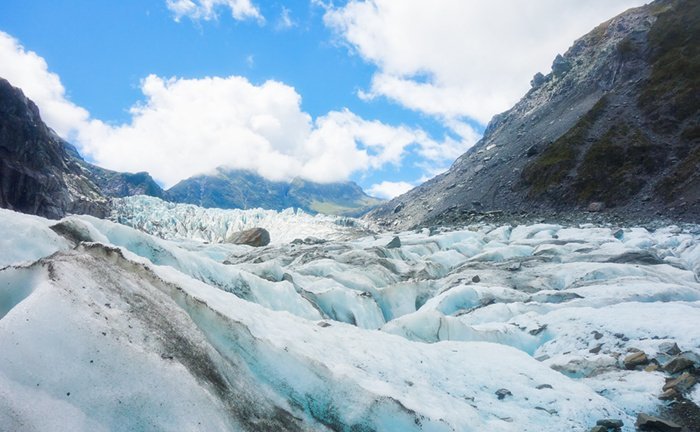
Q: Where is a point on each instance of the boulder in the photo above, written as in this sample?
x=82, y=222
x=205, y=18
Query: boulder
x=682, y=384
x=635, y=359
x=253, y=237
x=610, y=423
x=678, y=364
x=560, y=66
x=647, y=422
x=537, y=80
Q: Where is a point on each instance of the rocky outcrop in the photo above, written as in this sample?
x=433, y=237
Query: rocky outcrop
x=38, y=175
x=242, y=189
x=614, y=128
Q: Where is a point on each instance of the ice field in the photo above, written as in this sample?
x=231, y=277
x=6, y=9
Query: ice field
x=484, y=328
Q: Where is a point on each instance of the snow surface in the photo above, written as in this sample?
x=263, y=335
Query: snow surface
x=115, y=329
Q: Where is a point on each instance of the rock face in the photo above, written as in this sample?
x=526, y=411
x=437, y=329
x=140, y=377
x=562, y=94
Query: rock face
x=616, y=123
x=256, y=237
x=38, y=174
x=242, y=189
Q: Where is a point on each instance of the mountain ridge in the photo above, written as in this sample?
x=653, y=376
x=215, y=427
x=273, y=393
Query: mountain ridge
x=243, y=189
x=613, y=127
x=42, y=174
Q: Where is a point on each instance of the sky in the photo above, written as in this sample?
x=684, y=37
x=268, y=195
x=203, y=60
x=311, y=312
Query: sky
x=387, y=93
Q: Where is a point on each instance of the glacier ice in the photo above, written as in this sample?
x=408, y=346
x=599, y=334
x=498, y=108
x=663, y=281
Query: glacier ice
x=185, y=221
x=120, y=329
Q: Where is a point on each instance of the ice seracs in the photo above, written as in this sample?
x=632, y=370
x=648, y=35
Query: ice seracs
x=340, y=334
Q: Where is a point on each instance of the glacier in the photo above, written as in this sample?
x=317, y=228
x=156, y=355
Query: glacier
x=155, y=323
x=186, y=221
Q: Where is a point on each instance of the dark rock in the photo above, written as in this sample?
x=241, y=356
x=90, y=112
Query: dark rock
x=253, y=237
x=595, y=350
x=598, y=429
x=476, y=279
x=678, y=364
x=682, y=384
x=619, y=234
x=38, y=175
x=610, y=423
x=670, y=348
x=597, y=335
x=560, y=66
x=647, y=422
x=394, y=243
x=543, y=386
x=398, y=208
x=635, y=359
x=502, y=393
x=537, y=80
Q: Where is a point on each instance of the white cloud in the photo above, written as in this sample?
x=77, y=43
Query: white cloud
x=183, y=127
x=461, y=58
x=208, y=9
x=27, y=70
x=285, y=21
x=388, y=190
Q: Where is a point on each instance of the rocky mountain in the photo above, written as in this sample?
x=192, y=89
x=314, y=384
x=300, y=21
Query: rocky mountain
x=614, y=127
x=117, y=184
x=42, y=174
x=38, y=173
x=243, y=189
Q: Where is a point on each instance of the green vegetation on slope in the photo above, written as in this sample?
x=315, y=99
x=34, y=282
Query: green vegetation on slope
x=616, y=166
x=672, y=93
x=559, y=158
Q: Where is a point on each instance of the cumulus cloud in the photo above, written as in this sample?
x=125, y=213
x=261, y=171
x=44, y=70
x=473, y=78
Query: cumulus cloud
x=388, y=189
x=190, y=126
x=184, y=127
x=27, y=70
x=208, y=9
x=462, y=58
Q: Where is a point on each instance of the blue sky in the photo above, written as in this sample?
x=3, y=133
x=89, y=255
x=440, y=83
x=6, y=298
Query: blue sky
x=383, y=93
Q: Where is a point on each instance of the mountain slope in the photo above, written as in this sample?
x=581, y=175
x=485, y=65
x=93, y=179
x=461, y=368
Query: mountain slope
x=614, y=125
x=242, y=189
x=38, y=174
x=117, y=184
